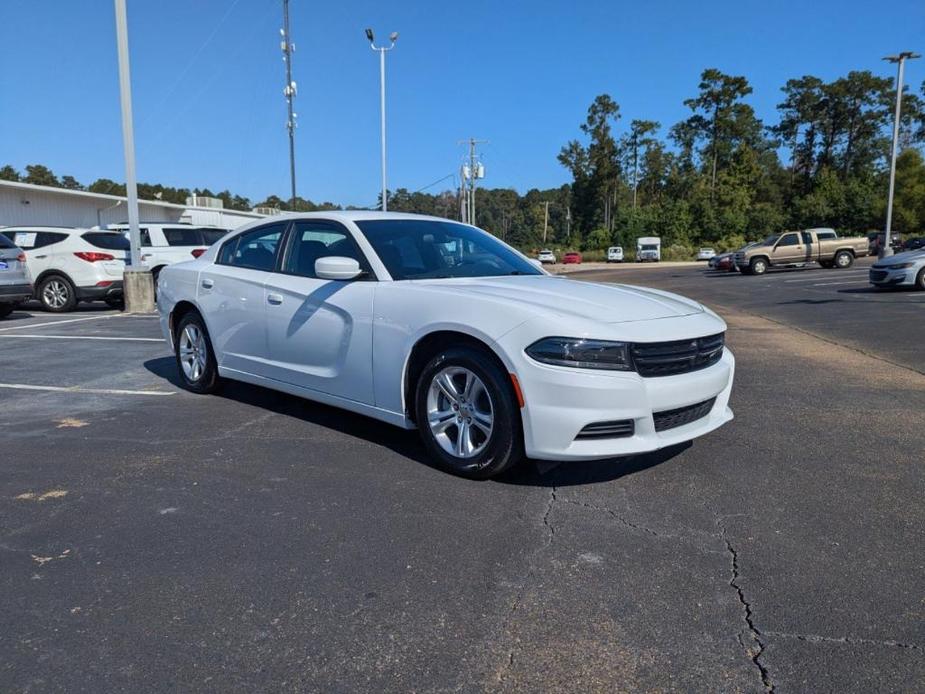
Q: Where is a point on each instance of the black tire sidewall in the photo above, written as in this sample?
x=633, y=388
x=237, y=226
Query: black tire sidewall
x=920, y=280
x=842, y=254
x=210, y=381
x=71, y=299
x=505, y=447
x=6, y=309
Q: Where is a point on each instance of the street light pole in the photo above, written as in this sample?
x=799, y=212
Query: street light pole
x=289, y=92
x=393, y=37
x=887, y=248
x=138, y=285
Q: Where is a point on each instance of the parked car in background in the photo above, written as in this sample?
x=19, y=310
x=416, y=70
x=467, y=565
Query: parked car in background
x=724, y=262
x=524, y=364
x=914, y=244
x=615, y=254
x=15, y=280
x=546, y=256
x=705, y=253
x=164, y=244
x=798, y=248
x=71, y=265
x=900, y=270
x=572, y=258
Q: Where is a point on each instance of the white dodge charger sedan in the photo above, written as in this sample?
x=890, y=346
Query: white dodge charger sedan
x=431, y=324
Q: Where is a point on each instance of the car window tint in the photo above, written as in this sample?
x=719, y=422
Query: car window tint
x=48, y=238
x=145, y=237
x=5, y=242
x=808, y=238
x=789, y=240
x=255, y=249
x=210, y=236
x=108, y=240
x=319, y=239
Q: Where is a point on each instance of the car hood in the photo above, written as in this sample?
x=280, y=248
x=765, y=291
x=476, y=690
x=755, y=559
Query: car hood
x=559, y=296
x=907, y=257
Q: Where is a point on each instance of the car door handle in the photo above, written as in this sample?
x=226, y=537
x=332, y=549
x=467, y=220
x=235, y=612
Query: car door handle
x=275, y=299
x=207, y=284
x=39, y=256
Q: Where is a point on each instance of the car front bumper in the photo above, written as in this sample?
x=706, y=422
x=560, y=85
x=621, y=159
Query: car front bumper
x=880, y=277
x=561, y=401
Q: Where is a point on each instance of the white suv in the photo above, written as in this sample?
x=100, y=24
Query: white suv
x=165, y=243
x=71, y=265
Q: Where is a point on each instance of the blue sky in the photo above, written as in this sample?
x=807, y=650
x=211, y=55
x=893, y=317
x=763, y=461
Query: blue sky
x=208, y=78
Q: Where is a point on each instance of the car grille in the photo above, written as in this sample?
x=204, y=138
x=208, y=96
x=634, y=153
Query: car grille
x=620, y=428
x=678, y=357
x=669, y=419
x=878, y=275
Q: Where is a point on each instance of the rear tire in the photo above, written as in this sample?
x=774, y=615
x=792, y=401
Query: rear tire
x=57, y=294
x=194, y=355
x=920, y=280
x=843, y=260
x=466, y=413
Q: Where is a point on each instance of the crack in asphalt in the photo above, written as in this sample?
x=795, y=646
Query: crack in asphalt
x=518, y=598
x=847, y=640
x=753, y=653
x=621, y=519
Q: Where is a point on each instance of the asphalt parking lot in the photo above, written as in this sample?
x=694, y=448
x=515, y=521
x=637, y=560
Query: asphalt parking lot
x=152, y=539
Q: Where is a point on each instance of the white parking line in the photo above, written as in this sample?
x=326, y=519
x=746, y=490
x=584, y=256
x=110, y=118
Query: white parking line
x=87, y=337
x=78, y=320
x=78, y=389
x=58, y=322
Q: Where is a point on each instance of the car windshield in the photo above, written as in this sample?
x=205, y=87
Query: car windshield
x=649, y=247
x=417, y=249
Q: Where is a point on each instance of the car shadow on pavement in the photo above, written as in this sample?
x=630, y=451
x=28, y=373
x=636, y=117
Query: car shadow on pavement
x=406, y=443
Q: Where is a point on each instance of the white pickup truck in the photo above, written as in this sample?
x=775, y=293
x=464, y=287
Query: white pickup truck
x=166, y=243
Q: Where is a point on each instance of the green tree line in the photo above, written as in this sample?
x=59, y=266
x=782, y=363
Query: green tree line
x=719, y=177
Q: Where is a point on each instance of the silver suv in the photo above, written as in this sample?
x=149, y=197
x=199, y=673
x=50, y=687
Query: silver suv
x=15, y=280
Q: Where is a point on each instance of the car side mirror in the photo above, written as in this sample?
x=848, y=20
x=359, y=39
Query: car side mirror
x=335, y=267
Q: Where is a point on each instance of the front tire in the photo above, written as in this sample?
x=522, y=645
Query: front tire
x=194, y=355
x=466, y=413
x=57, y=294
x=758, y=266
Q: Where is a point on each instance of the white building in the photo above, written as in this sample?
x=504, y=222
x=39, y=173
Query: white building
x=25, y=204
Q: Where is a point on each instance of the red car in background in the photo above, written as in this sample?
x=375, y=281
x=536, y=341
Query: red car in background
x=572, y=258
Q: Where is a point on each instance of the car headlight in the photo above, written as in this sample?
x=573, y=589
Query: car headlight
x=898, y=266
x=581, y=353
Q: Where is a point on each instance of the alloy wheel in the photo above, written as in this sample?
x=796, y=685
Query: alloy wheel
x=55, y=294
x=460, y=412
x=193, y=352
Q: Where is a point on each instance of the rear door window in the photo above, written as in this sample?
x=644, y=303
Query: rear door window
x=256, y=249
x=192, y=236
x=210, y=236
x=109, y=241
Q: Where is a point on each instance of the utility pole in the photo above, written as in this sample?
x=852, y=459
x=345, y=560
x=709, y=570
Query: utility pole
x=887, y=249
x=138, y=285
x=393, y=37
x=568, y=222
x=471, y=172
x=289, y=92
x=545, y=221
